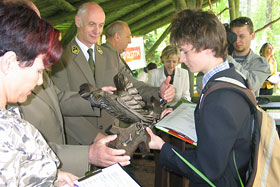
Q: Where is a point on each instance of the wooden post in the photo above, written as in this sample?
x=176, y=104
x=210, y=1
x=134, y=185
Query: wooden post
x=158, y=42
x=231, y=9
x=210, y=4
x=161, y=175
x=162, y=13
x=200, y=4
x=154, y=25
x=179, y=4
x=236, y=6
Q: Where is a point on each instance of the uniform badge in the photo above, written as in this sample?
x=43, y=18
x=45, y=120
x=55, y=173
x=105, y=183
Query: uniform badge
x=75, y=49
x=99, y=50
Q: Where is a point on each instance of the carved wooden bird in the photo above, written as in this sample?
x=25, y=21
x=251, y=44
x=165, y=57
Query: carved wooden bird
x=125, y=103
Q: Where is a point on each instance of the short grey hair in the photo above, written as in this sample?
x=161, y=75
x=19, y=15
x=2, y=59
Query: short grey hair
x=81, y=12
x=82, y=9
x=114, y=27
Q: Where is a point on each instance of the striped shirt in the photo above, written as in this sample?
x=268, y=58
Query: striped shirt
x=212, y=72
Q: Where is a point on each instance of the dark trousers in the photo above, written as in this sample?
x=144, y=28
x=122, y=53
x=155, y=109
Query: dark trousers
x=265, y=91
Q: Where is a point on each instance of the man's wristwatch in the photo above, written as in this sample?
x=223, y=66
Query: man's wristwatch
x=162, y=101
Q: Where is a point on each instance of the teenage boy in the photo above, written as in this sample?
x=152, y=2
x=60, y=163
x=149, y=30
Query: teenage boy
x=223, y=122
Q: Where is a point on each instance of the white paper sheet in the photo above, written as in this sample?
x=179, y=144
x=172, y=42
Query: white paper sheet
x=181, y=120
x=112, y=176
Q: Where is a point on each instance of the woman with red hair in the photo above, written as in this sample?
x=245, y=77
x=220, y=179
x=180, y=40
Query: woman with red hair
x=28, y=45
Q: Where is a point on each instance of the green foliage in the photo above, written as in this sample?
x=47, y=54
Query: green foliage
x=151, y=38
x=261, y=15
x=218, y=7
x=149, y=41
x=257, y=10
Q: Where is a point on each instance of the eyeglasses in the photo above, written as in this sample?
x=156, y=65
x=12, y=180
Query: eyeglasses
x=240, y=20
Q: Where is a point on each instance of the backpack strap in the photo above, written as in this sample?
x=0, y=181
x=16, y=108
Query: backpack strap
x=237, y=86
x=247, y=94
x=231, y=84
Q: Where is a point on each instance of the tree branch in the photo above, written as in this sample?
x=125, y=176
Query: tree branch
x=210, y=4
x=227, y=8
x=267, y=25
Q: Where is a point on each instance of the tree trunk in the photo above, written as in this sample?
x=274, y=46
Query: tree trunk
x=231, y=9
x=236, y=5
x=179, y=4
x=158, y=42
x=268, y=16
x=249, y=4
x=191, y=4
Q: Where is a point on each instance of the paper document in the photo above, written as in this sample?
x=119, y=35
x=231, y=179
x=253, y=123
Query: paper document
x=274, y=79
x=180, y=123
x=112, y=176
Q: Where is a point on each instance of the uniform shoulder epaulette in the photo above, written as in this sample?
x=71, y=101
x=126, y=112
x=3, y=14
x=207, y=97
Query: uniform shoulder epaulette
x=99, y=50
x=75, y=49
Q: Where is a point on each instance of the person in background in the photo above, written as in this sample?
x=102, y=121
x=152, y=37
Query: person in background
x=170, y=57
x=143, y=76
x=223, y=122
x=267, y=51
x=254, y=67
x=28, y=45
x=118, y=36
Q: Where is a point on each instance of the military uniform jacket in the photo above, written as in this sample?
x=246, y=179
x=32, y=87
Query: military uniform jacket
x=116, y=65
x=44, y=108
x=68, y=74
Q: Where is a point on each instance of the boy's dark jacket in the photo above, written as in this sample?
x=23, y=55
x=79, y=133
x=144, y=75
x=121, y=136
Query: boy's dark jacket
x=223, y=124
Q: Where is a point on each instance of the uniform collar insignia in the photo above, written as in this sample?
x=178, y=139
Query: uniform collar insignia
x=99, y=50
x=75, y=49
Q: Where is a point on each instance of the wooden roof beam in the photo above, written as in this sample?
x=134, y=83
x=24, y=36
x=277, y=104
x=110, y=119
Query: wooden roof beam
x=110, y=6
x=69, y=35
x=69, y=16
x=144, y=10
x=156, y=24
x=158, y=42
x=165, y=11
x=62, y=18
x=62, y=5
x=71, y=32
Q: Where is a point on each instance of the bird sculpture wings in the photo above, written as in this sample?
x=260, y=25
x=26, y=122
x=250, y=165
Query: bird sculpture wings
x=126, y=105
